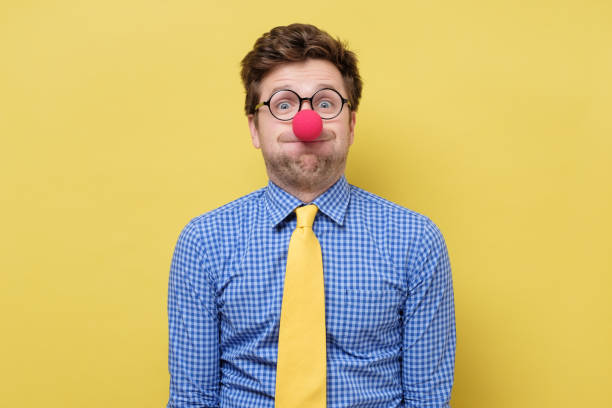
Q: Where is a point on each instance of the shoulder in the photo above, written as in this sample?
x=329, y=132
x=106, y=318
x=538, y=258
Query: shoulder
x=402, y=226
x=372, y=203
x=222, y=220
x=230, y=210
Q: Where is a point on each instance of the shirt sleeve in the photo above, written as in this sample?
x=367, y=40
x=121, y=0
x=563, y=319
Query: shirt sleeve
x=193, y=352
x=429, y=326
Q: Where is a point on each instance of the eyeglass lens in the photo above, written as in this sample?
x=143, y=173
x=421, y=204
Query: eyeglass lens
x=286, y=104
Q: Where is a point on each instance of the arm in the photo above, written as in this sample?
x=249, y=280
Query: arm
x=429, y=326
x=193, y=352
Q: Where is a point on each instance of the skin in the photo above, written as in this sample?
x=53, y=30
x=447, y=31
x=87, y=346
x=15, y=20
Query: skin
x=304, y=169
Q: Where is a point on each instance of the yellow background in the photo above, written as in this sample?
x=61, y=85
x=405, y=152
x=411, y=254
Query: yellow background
x=122, y=120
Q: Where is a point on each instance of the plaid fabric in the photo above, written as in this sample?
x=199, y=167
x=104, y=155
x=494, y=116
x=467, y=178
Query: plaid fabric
x=389, y=302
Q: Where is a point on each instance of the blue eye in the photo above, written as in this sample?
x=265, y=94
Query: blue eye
x=284, y=106
x=326, y=105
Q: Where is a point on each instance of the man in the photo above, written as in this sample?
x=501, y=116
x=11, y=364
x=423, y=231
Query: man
x=368, y=322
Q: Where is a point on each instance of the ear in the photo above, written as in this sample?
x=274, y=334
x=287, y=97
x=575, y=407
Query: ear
x=352, y=119
x=254, y=131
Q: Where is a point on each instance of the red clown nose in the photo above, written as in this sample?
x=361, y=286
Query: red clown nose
x=307, y=125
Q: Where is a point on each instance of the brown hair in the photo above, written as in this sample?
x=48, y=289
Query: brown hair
x=295, y=43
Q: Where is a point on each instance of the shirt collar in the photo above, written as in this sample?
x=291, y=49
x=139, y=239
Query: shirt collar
x=333, y=202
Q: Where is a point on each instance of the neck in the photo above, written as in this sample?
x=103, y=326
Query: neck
x=305, y=194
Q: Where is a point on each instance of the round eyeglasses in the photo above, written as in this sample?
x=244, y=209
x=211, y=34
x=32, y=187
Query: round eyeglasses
x=285, y=104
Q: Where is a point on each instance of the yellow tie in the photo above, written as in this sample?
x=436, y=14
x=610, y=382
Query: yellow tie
x=301, y=372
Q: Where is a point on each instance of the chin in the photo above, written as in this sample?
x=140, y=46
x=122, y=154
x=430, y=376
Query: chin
x=314, y=175
x=308, y=171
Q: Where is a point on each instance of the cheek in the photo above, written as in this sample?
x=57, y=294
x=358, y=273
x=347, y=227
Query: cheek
x=268, y=135
x=341, y=129
x=265, y=132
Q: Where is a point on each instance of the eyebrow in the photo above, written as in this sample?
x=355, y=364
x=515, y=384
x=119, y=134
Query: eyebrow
x=317, y=87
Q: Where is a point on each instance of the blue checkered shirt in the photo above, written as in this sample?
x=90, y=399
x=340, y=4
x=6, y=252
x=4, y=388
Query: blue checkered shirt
x=389, y=307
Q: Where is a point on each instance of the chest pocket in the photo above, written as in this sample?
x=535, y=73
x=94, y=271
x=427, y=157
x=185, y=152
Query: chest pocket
x=364, y=320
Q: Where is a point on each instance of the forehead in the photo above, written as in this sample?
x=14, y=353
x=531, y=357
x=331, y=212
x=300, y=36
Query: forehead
x=304, y=77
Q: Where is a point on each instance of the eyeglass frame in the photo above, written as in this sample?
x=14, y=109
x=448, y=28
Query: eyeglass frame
x=267, y=103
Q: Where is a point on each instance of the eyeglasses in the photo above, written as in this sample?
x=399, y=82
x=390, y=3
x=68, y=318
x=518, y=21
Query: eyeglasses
x=285, y=104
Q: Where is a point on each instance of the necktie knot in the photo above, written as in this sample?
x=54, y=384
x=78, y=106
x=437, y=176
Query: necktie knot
x=306, y=215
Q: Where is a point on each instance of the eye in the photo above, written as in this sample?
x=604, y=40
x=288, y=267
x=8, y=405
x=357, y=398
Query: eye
x=324, y=104
x=327, y=102
x=284, y=106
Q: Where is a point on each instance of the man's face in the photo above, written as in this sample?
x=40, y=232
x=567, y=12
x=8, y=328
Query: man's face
x=290, y=162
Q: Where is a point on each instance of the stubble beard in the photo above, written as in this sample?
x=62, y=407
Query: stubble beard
x=308, y=172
